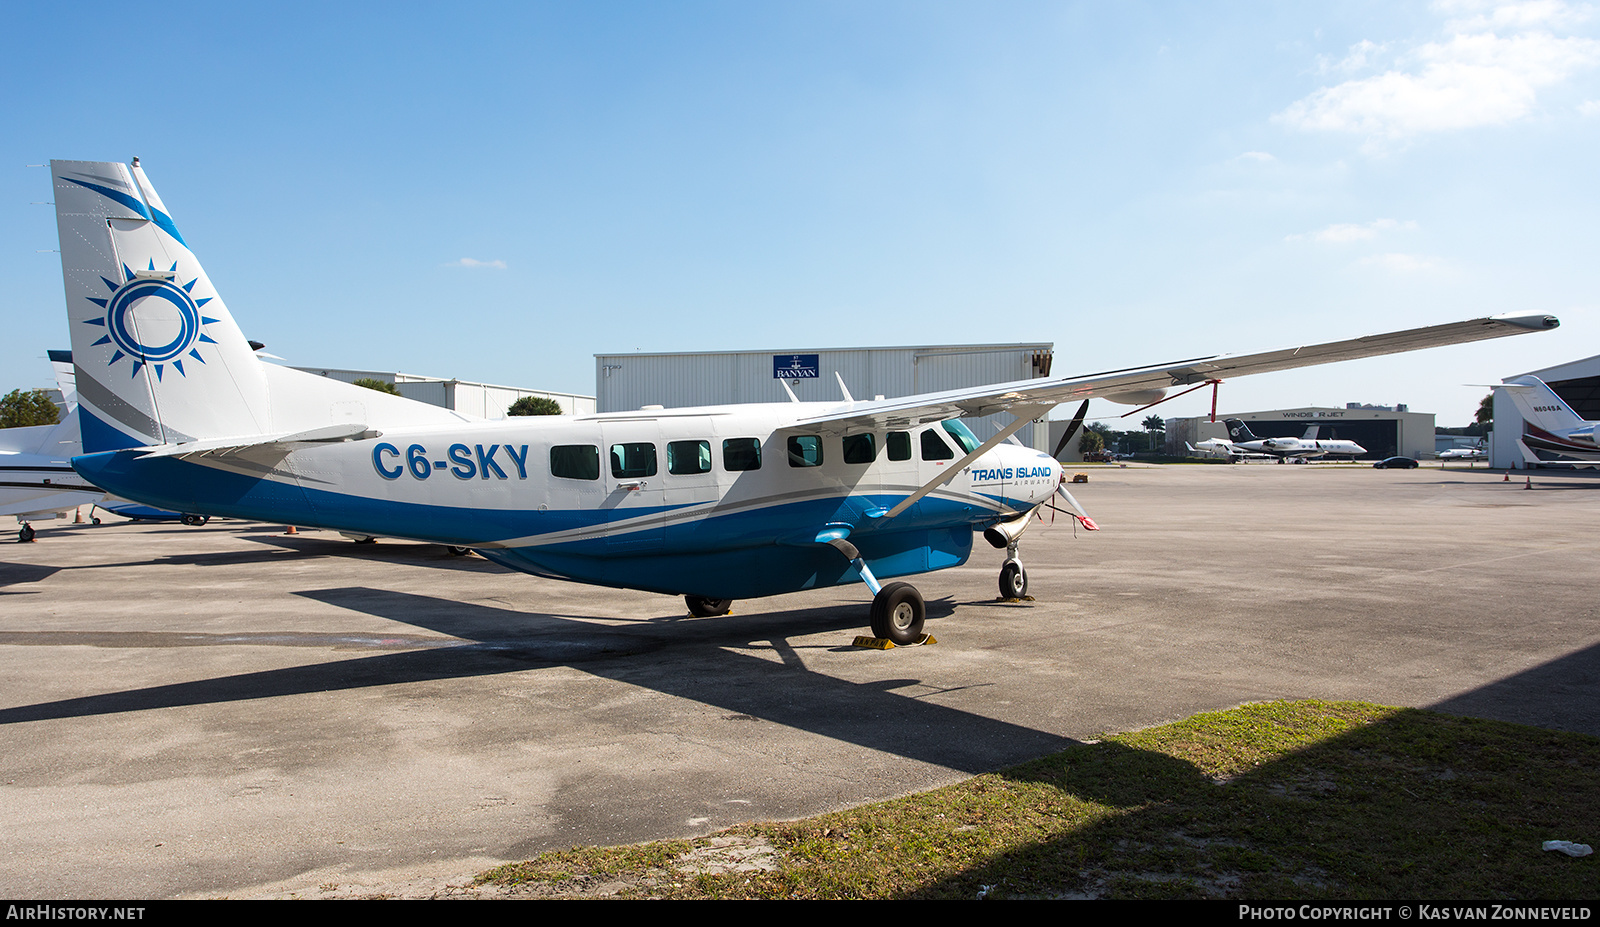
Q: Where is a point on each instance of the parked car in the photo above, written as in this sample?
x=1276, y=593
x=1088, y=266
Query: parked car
x=1099, y=457
x=1396, y=463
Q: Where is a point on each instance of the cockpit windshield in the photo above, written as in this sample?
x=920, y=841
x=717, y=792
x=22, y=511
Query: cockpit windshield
x=958, y=429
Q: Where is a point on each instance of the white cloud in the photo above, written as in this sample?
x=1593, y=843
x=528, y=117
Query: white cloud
x=474, y=262
x=1488, y=71
x=1359, y=58
x=1342, y=232
x=1470, y=15
x=1261, y=156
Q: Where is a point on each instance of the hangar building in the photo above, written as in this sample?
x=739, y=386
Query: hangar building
x=630, y=381
x=1576, y=382
x=485, y=400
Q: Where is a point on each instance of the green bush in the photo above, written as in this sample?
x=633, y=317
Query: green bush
x=534, y=405
x=19, y=409
x=379, y=385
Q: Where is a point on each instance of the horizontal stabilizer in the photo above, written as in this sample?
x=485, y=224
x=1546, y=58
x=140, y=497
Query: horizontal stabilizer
x=228, y=447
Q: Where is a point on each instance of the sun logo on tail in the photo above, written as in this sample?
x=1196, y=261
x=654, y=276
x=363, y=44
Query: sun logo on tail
x=152, y=319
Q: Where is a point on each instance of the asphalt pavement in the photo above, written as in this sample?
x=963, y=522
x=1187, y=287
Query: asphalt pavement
x=232, y=711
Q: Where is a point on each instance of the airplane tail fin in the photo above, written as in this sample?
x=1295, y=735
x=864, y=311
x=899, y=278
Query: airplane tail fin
x=1239, y=431
x=1541, y=407
x=158, y=358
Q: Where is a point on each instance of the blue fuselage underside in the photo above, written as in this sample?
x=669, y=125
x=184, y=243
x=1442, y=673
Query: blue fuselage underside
x=749, y=552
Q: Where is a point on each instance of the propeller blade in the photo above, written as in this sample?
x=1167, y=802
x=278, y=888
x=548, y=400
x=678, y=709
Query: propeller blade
x=1072, y=429
x=1082, y=516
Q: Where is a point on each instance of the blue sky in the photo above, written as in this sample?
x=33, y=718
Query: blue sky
x=497, y=192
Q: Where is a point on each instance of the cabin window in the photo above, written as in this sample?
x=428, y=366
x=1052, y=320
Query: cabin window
x=958, y=429
x=575, y=461
x=632, y=461
x=899, y=445
x=860, y=449
x=934, y=448
x=805, y=451
x=686, y=458
x=741, y=454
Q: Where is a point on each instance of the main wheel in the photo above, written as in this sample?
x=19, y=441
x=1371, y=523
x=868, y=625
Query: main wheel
x=898, y=613
x=1013, y=580
x=25, y=535
x=702, y=607
x=459, y=551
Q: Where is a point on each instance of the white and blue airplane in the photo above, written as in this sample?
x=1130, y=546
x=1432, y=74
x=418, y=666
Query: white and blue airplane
x=713, y=503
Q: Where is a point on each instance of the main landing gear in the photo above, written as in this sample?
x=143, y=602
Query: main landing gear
x=898, y=613
x=25, y=536
x=702, y=607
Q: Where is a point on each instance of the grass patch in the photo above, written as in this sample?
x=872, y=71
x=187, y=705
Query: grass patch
x=1281, y=800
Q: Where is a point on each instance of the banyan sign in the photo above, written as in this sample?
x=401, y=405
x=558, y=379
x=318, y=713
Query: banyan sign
x=795, y=366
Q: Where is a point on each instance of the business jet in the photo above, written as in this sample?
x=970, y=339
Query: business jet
x=1286, y=448
x=714, y=503
x=1222, y=447
x=37, y=481
x=1472, y=454
x=1549, y=424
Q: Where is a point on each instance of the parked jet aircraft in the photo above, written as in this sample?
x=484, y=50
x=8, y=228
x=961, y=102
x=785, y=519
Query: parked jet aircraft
x=1549, y=424
x=712, y=503
x=1222, y=447
x=1474, y=453
x=36, y=476
x=37, y=481
x=1284, y=448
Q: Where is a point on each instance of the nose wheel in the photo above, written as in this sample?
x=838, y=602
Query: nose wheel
x=1013, y=580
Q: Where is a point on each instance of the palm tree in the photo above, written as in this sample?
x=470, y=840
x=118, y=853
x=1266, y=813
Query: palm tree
x=1153, y=424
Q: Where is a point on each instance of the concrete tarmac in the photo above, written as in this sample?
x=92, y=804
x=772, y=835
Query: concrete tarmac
x=230, y=711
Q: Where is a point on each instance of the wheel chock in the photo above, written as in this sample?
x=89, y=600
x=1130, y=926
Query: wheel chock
x=878, y=643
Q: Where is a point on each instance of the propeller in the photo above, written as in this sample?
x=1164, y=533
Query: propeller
x=1082, y=516
x=1072, y=429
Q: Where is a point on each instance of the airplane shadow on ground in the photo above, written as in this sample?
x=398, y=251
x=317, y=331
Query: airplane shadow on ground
x=277, y=548
x=1563, y=694
x=688, y=659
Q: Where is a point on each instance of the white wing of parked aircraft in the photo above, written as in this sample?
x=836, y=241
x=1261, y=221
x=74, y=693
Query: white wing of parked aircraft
x=713, y=503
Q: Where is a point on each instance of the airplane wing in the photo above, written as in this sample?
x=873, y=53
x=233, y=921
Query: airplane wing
x=1147, y=384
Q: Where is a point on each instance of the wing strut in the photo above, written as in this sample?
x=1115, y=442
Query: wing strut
x=1023, y=415
x=1211, y=383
